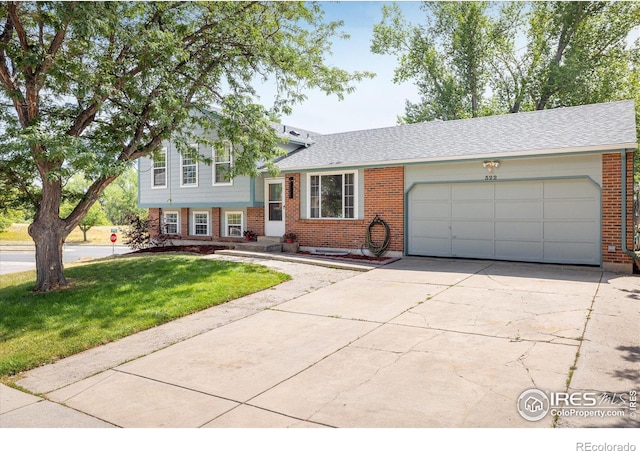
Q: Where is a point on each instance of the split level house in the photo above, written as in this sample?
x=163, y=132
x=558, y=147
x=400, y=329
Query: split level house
x=551, y=186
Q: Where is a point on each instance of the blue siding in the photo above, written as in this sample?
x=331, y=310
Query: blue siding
x=203, y=195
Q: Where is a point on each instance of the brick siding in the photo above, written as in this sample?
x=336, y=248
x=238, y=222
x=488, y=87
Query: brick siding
x=255, y=220
x=383, y=196
x=612, y=209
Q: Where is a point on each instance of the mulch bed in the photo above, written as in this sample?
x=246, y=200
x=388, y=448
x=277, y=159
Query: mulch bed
x=206, y=249
x=191, y=249
x=352, y=257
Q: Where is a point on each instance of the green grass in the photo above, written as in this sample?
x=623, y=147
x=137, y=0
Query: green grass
x=111, y=299
x=17, y=234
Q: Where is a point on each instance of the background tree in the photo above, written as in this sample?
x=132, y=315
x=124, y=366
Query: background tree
x=576, y=53
x=94, y=217
x=92, y=86
x=120, y=199
x=448, y=57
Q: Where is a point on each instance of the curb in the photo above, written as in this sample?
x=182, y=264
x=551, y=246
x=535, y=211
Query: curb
x=327, y=263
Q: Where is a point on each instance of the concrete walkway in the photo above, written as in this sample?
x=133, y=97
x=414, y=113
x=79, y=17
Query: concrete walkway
x=417, y=343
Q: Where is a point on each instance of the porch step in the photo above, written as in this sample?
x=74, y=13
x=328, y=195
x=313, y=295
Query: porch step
x=259, y=246
x=270, y=239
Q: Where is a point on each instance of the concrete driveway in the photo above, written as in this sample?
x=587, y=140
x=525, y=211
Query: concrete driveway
x=417, y=343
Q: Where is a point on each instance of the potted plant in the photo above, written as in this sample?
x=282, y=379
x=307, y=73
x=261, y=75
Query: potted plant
x=289, y=237
x=249, y=235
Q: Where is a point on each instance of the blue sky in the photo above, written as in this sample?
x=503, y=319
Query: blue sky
x=376, y=102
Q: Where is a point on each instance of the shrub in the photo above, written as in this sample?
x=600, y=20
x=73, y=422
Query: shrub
x=136, y=234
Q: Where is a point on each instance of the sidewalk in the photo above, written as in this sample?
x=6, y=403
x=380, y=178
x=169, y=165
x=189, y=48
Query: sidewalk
x=394, y=347
x=19, y=409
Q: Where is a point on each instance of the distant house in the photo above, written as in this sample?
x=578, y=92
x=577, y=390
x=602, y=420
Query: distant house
x=550, y=186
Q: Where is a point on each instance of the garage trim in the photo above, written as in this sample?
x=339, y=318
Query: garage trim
x=525, y=179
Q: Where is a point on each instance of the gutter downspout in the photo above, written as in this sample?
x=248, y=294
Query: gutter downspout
x=630, y=253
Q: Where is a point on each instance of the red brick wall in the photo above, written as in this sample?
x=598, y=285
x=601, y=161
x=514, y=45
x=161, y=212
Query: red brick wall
x=255, y=220
x=215, y=223
x=154, y=222
x=612, y=208
x=184, y=222
x=383, y=195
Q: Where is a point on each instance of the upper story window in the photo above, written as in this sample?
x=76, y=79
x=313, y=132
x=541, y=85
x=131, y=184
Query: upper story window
x=332, y=196
x=189, y=166
x=222, y=164
x=160, y=169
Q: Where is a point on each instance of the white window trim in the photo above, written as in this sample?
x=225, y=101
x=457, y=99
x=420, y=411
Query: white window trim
x=190, y=185
x=193, y=222
x=164, y=222
x=213, y=163
x=226, y=223
x=166, y=173
x=355, y=195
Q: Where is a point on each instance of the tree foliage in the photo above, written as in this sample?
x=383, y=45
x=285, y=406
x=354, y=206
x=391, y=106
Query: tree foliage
x=120, y=199
x=94, y=217
x=468, y=58
x=92, y=86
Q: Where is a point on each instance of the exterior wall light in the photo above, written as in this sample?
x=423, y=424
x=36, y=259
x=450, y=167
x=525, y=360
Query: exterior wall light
x=491, y=165
x=290, y=187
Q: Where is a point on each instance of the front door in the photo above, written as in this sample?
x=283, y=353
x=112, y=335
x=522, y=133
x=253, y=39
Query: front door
x=274, y=207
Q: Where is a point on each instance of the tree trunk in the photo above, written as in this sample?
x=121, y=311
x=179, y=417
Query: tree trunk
x=84, y=232
x=49, y=235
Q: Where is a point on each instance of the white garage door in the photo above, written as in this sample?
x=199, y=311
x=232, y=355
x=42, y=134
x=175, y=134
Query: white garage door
x=555, y=221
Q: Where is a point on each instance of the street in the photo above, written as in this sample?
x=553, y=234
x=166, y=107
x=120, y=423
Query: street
x=23, y=258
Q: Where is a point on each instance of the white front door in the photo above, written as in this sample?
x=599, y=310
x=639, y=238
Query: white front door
x=274, y=221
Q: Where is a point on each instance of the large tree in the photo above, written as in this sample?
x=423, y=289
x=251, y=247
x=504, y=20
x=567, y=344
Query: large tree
x=92, y=86
x=495, y=58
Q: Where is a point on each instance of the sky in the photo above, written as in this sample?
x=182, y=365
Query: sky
x=376, y=102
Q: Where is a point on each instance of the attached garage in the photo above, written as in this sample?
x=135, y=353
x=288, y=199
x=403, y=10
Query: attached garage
x=551, y=221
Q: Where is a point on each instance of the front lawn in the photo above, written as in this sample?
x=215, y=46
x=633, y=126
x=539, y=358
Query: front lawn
x=111, y=299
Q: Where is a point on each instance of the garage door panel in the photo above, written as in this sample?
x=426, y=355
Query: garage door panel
x=430, y=193
x=472, y=229
x=570, y=252
x=437, y=247
x=519, y=250
x=526, y=209
x=424, y=209
x=466, y=191
x=570, y=231
x=519, y=191
x=430, y=229
x=471, y=248
x=472, y=210
x=545, y=220
x=518, y=231
x=570, y=209
x=563, y=189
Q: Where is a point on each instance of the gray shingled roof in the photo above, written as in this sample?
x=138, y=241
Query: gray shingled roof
x=587, y=127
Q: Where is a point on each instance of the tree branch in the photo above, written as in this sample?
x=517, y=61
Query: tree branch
x=55, y=45
x=12, y=9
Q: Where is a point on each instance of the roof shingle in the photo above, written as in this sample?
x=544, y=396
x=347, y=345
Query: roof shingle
x=558, y=130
